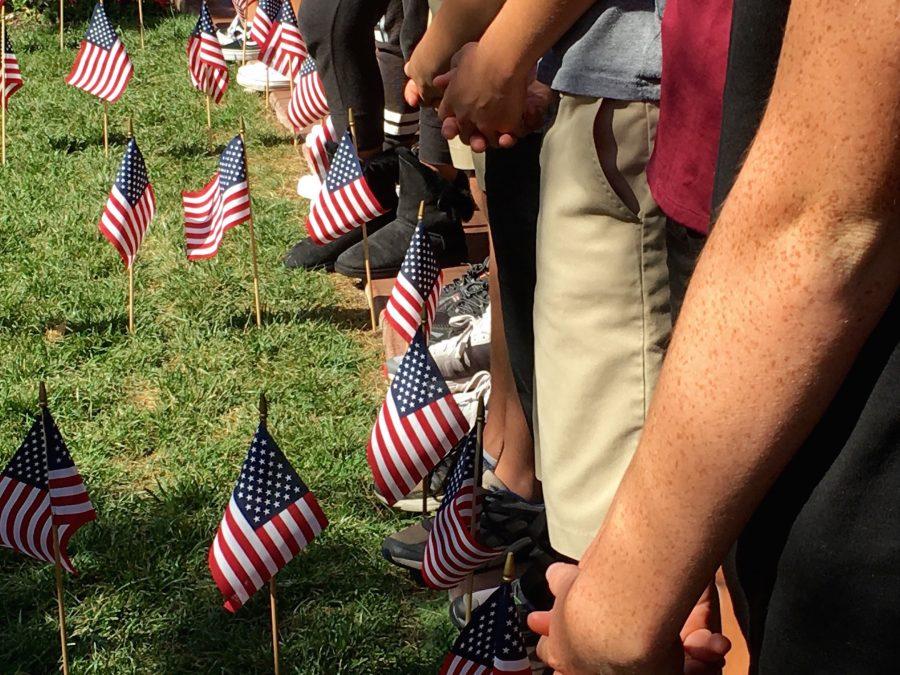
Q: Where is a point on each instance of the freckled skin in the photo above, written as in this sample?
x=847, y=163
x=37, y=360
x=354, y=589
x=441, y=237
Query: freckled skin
x=803, y=261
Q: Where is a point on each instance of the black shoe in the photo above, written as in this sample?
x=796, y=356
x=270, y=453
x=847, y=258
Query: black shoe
x=406, y=548
x=382, y=174
x=308, y=255
x=447, y=205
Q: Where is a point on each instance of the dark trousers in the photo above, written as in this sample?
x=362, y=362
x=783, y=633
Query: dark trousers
x=340, y=35
x=512, y=179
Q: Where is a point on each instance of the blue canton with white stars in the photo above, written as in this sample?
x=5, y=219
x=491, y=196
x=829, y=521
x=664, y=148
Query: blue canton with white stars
x=418, y=382
x=286, y=14
x=268, y=483
x=7, y=46
x=493, y=632
x=204, y=23
x=132, y=178
x=269, y=7
x=345, y=166
x=420, y=266
x=308, y=66
x=100, y=31
x=30, y=464
x=232, y=165
x=462, y=470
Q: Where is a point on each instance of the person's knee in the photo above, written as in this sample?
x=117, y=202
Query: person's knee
x=340, y=22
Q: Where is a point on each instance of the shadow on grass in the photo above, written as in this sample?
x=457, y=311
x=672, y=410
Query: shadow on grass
x=352, y=319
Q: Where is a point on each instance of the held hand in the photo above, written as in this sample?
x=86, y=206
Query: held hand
x=420, y=90
x=567, y=647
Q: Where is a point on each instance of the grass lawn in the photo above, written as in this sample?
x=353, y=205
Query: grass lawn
x=159, y=422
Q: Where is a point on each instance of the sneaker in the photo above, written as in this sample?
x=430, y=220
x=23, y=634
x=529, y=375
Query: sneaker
x=252, y=77
x=467, y=392
x=235, y=31
x=234, y=50
x=406, y=548
x=412, y=503
x=309, y=186
x=467, y=295
x=447, y=205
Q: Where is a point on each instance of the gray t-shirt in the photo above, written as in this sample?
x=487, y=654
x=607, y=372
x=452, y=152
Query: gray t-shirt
x=612, y=51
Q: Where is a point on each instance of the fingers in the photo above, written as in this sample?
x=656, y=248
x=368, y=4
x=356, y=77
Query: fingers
x=443, y=81
x=706, y=646
x=539, y=622
x=411, y=94
x=560, y=576
x=449, y=128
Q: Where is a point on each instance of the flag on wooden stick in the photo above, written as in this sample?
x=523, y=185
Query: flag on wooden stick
x=10, y=64
x=270, y=518
x=345, y=201
x=206, y=62
x=130, y=207
x=285, y=49
x=492, y=641
x=417, y=287
x=418, y=424
x=316, y=142
x=221, y=204
x=308, y=102
x=102, y=66
x=41, y=489
x=265, y=17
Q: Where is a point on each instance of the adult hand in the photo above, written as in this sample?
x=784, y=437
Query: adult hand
x=482, y=98
x=567, y=646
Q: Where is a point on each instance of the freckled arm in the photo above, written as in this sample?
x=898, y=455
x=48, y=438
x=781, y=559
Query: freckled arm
x=802, y=264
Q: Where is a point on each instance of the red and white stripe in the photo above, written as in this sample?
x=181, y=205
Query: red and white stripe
x=452, y=551
x=104, y=74
x=14, y=79
x=459, y=665
x=403, y=449
x=334, y=214
x=27, y=514
x=315, y=142
x=242, y=559
x=206, y=64
x=285, y=50
x=125, y=226
x=209, y=214
x=404, y=308
x=308, y=102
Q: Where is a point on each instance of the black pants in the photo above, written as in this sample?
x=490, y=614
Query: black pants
x=513, y=181
x=340, y=36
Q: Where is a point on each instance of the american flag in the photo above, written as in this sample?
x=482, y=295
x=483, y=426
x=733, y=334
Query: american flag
x=240, y=6
x=308, y=102
x=11, y=66
x=206, y=63
x=452, y=551
x=285, y=49
x=271, y=517
x=261, y=26
x=345, y=202
x=130, y=207
x=417, y=285
x=418, y=424
x=316, y=142
x=40, y=488
x=102, y=67
x=223, y=203
x=491, y=642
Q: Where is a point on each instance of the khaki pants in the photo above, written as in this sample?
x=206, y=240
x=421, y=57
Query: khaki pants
x=602, y=315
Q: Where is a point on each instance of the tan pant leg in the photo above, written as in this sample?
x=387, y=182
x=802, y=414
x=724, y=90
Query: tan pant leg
x=601, y=317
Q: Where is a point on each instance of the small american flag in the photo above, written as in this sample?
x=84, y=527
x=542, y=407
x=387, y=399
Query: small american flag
x=40, y=488
x=10, y=64
x=102, y=67
x=316, y=142
x=130, y=207
x=308, y=102
x=417, y=285
x=345, y=202
x=240, y=6
x=206, y=63
x=418, y=424
x=492, y=641
x=223, y=203
x=271, y=517
x=452, y=551
x=285, y=49
x=261, y=26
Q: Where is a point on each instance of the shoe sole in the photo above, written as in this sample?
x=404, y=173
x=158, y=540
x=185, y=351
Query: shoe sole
x=405, y=563
x=233, y=56
x=411, y=505
x=248, y=86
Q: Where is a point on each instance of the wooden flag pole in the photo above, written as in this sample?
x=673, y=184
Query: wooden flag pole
x=273, y=603
x=131, y=266
x=267, y=85
x=365, y=237
x=476, y=489
x=253, y=256
x=244, y=41
x=57, y=556
x=105, y=129
x=3, y=83
x=426, y=482
x=141, y=20
x=209, y=131
x=61, y=23
x=294, y=133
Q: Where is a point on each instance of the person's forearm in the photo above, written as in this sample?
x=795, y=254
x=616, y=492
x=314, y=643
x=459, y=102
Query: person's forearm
x=456, y=23
x=800, y=268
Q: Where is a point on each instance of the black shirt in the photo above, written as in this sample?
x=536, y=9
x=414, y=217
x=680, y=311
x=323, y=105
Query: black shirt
x=819, y=561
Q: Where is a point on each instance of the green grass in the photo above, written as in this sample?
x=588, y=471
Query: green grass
x=159, y=422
